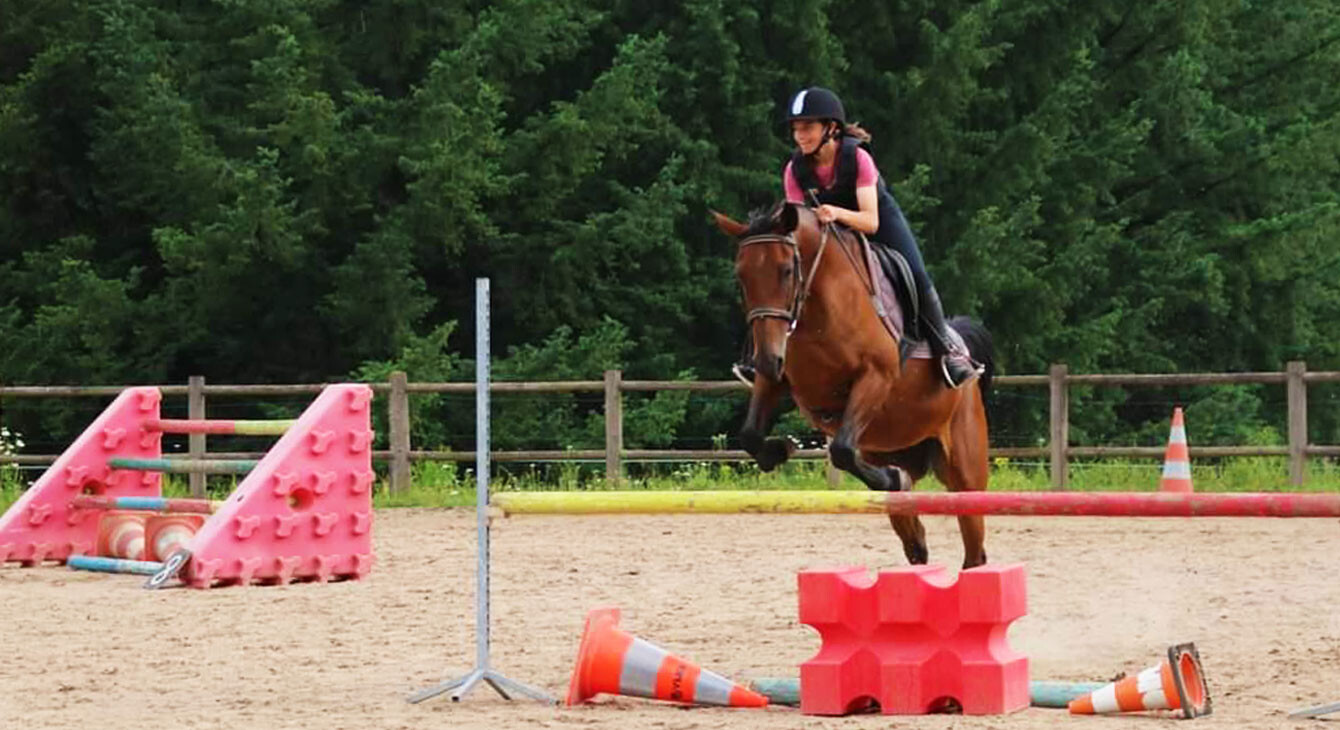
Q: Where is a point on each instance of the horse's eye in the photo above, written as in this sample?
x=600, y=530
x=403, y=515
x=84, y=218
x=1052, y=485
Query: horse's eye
x=786, y=271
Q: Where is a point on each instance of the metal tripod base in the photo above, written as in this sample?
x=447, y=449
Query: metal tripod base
x=500, y=684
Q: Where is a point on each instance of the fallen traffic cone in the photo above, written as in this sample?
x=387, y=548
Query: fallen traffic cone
x=615, y=662
x=1176, y=460
x=1177, y=683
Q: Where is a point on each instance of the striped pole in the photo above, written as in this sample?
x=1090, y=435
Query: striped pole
x=185, y=466
x=113, y=565
x=224, y=428
x=786, y=691
x=1071, y=504
x=145, y=504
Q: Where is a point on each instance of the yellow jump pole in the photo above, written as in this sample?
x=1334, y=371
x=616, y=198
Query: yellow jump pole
x=1074, y=504
x=708, y=502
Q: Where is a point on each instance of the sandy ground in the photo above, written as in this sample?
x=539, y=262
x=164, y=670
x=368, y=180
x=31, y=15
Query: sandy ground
x=85, y=651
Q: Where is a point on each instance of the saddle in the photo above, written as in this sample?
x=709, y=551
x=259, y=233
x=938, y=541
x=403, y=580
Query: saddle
x=896, y=299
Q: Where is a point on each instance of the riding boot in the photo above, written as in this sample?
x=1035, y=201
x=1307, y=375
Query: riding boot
x=956, y=365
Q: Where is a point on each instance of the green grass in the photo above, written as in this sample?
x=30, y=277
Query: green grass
x=437, y=484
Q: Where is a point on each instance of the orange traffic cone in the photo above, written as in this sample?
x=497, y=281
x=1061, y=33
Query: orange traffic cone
x=121, y=535
x=615, y=662
x=1176, y=683
x=166, y=534
x=1176, y=460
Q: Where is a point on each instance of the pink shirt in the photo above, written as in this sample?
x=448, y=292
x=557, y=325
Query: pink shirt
x=866, y=174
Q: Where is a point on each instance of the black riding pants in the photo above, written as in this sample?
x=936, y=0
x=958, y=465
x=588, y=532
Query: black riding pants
x=896, y=234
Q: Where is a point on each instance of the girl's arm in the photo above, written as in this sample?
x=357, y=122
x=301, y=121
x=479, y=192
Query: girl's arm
x=865, y=220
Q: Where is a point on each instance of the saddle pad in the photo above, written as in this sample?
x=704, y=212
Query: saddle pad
x=890, y=310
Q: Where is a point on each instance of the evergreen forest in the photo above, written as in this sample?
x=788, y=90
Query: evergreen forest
x=292, y=191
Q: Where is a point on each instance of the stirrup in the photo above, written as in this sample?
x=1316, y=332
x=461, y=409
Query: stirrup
x=744, y=373
x=975, y=371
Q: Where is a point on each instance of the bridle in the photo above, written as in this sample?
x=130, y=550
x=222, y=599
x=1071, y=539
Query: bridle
x=801, y=282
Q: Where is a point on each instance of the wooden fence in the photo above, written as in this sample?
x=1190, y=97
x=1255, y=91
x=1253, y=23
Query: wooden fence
x=396, y=391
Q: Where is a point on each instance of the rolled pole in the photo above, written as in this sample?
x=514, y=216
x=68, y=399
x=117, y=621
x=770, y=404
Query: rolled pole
x=145, y=504
x=1061, y=504
x=112, y=565
x=786, y=691
x=220, y=427
x=184, y=466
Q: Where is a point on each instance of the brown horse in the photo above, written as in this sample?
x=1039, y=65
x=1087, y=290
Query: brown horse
x=817, y=334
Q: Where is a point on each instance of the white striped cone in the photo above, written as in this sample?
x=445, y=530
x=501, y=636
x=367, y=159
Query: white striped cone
x=1176, y=683
x=121, y=535
x=1177, y=459
x=165, y=534
x=616, y=662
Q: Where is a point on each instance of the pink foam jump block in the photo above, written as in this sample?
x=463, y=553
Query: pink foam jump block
x=914, y=640
x=43, y=525
x=304, y=513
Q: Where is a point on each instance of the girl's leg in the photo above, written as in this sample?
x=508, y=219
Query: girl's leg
x=956, y=366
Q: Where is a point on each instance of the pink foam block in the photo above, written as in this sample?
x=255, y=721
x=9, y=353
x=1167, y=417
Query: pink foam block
x=42, y=525
x=305, y=511
x=913, y=639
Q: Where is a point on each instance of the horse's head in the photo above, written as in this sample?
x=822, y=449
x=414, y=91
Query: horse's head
x=767, y=263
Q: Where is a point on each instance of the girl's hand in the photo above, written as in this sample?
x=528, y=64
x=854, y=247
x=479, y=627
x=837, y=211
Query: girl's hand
x=826, y=213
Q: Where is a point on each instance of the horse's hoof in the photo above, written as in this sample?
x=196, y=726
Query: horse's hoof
x=917, y=554
x=775, y=452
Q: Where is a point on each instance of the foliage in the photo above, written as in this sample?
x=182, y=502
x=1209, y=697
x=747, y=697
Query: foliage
x=300, y=191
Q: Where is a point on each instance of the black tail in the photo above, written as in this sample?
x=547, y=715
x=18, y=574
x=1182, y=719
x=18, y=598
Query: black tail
x=978, y=338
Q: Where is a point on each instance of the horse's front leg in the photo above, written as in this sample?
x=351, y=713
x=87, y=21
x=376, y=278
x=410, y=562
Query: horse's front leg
x=863, y=402
x=769, y=452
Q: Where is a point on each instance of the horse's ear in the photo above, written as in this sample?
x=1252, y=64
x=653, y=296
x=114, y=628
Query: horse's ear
x=729, y=226
x=789, y=217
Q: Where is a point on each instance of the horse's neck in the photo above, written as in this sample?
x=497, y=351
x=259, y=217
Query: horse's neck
x=838, y=293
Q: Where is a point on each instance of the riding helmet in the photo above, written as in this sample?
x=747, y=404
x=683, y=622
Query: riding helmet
x=816, y=102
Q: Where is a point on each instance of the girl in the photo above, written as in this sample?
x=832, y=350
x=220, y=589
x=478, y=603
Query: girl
x=832, y=170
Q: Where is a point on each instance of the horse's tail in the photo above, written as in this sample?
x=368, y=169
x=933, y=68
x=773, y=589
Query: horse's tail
x=978, y=338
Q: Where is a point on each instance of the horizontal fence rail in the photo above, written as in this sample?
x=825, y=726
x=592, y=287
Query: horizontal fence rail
x=400, y=454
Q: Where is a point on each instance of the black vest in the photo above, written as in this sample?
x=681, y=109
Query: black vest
x=842, y=192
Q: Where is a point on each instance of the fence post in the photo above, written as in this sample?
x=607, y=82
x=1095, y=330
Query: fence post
x=195, y=443
x=834, y=474
x=1060, y=425
x=1297, y=388
x=399, y=436
x=613, y=425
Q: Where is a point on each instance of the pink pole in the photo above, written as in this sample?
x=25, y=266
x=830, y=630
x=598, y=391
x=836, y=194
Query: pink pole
x=1116, y=504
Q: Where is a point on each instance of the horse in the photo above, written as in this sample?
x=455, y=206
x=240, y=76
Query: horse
x=818, y=335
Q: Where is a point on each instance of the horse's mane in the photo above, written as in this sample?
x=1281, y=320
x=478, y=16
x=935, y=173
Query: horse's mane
x=767, y=219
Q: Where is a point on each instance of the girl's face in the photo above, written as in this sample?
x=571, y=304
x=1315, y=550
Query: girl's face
x=807, y=133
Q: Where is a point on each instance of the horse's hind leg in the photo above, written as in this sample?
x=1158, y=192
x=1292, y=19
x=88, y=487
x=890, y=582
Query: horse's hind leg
x=913, y=534
x=905, y=469
x=966, y=469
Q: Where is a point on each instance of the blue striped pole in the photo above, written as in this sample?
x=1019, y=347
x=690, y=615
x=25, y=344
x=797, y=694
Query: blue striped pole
x=113, y=565
x=786, y=691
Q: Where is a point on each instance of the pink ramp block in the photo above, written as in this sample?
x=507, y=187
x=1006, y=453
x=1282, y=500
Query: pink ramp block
x=305, y=511
x=41, y=525
x=913, y=639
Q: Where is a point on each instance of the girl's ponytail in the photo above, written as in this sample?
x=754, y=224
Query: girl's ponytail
x=855, y=130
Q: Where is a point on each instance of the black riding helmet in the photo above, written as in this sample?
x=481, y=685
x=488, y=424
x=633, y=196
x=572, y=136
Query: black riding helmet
x=818, y=103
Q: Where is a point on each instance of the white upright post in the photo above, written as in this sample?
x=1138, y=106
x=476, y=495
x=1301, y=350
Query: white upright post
x=498, y=682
